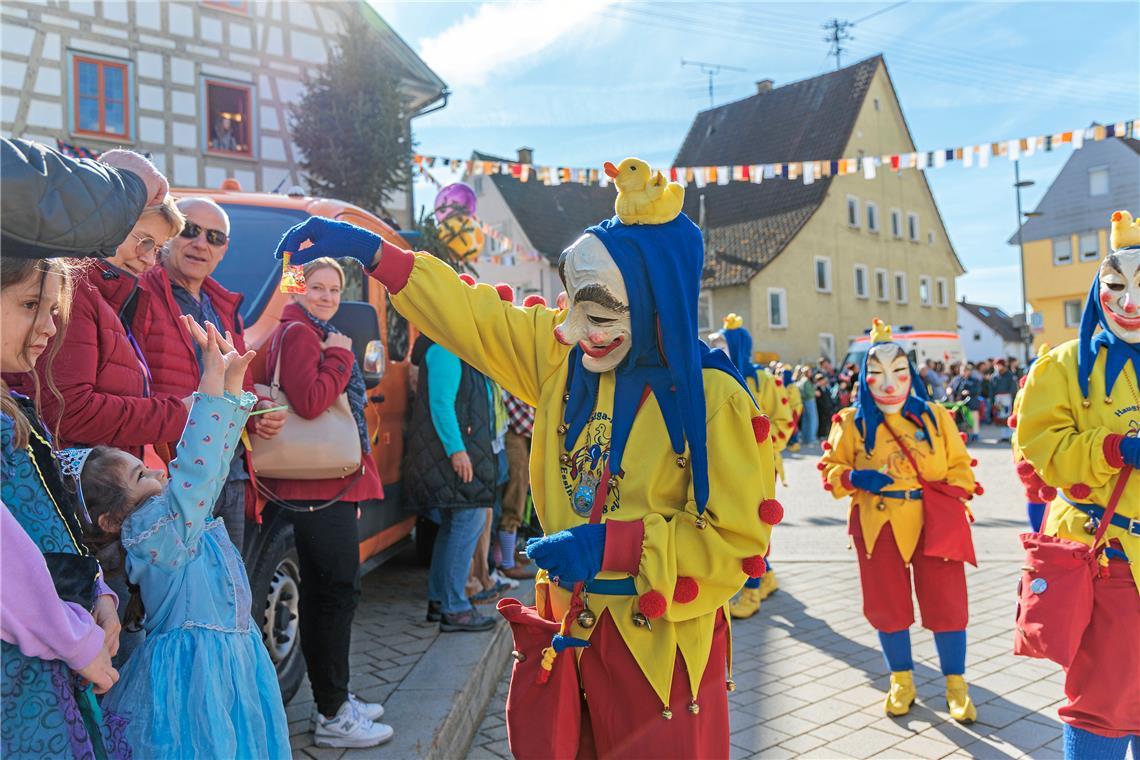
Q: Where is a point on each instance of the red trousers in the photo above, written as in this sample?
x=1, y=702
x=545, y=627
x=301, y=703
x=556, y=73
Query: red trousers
x=886, y=580
x=621, y=715
x=1103, y=682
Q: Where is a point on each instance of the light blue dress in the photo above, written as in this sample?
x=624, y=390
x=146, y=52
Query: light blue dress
x=202, y=685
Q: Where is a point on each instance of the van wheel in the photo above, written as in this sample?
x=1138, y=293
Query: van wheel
x=275, y=583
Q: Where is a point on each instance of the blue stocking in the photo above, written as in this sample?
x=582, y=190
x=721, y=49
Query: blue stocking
x=896, y=650
x=1085, y=745
x=752, y=583
x=951, y=646
x=1035, y=510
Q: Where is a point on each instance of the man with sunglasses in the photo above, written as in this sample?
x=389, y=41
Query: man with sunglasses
x=182, y=283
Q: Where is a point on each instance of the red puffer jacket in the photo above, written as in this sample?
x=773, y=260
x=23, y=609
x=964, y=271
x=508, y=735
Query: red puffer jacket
x=100, y=375
x=312, y=378
x=168, y=348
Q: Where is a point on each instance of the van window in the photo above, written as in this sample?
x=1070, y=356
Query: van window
x=248, y=266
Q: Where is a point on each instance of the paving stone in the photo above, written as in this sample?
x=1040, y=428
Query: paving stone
x=864, y=742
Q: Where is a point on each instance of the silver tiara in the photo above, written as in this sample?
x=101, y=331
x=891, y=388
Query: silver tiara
x=71, y=463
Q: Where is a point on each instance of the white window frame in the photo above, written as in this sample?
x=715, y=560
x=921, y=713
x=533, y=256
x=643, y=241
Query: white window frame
x=782, y=294
x=862, y=269
x=913, y=234
x=853, y=205
x=903, y=292
x=1099, y=171
x=896, y=223
x=942, y=292
x=924, y=282
x=873, y=221
x=1064, y=260
x=1094, y=254
x=816, y=261
x=1076, y=321
x=828, y=352
x=882, y=294
x=930, y=237
x=705, y=310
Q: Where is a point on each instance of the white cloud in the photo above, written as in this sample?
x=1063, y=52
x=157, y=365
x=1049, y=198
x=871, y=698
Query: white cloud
x=500, y=34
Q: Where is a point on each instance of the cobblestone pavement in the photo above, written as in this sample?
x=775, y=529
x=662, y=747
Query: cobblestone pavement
x=808, y=668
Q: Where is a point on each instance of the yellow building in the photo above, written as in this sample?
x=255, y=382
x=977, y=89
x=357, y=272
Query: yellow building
x=808, y=265
x=1065, y=243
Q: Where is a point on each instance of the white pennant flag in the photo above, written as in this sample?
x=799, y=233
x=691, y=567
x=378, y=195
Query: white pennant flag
x=809, y=172
x=699, y=176
x=983, y=156
x=1031, y=146
x=852, y=165
x=1014, y=149
x=1078, y=139
x=968, y=155
x=939, y=159
x=723, y=175
x=921, y=162
x=756, y=173
x=869, y=168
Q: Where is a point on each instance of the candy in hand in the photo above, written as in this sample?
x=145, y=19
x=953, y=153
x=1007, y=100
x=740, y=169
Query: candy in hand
x=328, y=237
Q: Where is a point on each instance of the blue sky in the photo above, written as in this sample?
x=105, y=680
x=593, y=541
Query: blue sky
x=585, y=81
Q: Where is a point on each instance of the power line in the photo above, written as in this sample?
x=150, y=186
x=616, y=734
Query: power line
x=879, y=12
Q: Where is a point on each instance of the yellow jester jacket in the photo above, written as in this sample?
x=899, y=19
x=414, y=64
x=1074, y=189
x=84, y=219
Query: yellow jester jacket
x=1063, y=438
x=516, y=348
x=768, y=394
x=948, y=460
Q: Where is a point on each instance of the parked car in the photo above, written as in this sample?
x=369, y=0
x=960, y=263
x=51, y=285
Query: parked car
x=381, y=339
x=920, y=345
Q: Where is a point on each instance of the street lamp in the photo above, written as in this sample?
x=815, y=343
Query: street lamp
x=1018, y=183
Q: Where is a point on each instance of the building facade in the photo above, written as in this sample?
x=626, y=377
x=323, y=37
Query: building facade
x=987, y=332
x=1066, y=239
x=203, y=87
x=809, y=265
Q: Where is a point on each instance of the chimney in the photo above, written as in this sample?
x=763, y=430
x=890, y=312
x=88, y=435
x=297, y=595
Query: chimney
x=764, y=86
x=526, y=155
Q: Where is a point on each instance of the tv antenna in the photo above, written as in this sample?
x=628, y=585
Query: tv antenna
x=837, y=35
x=712, y=69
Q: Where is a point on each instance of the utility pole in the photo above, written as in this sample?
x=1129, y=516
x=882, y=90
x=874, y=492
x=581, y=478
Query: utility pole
x=837, y=35
x=712, y=69
x=1018, y=183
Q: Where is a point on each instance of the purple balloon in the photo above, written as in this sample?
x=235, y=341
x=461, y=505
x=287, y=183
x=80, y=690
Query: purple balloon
x=456, y=198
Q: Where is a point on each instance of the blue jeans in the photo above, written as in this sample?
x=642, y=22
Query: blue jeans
x=809, y=421
x=459, y=531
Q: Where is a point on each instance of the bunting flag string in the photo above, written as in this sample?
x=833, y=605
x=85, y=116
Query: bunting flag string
x=967, y=156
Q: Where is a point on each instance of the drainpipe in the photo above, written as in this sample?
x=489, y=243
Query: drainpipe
x=443, y=95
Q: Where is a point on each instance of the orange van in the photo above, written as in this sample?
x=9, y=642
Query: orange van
x=381, y=341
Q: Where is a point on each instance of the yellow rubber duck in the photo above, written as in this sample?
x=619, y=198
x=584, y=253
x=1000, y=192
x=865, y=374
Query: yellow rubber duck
x=644, y=196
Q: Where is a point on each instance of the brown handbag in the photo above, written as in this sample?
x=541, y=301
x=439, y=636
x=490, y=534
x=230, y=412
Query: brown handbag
x=326, y=447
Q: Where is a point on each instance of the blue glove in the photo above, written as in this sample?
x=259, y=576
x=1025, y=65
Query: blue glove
x=871, y=481
x=570, y=555
x=562, y=643
x=329, y=238
x=1130, y=452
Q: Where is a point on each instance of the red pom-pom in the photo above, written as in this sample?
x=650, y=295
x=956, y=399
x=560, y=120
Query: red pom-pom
x=1024, y=468
x=686, y=590
x=781, y=435
x=534, y=299
x=468, y=279
x=771, y=511
x=783, y=401
x=835, y=417
x=963, y=437
x=652, y=604
x=506, y=292
x=821, y=466
x=1012, y=422
x=1080, y=491
x=1047, y=493
x=753, y=566
x=978, y=489
x=828, y=487
x=779, y=383
x=761, y=427
x=973, y=462
x=826, y=446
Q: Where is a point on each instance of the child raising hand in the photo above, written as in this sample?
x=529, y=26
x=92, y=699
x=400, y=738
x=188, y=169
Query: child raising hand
x=202, y=684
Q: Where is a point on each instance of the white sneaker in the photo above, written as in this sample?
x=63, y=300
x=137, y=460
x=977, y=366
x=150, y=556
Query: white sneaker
x=499, y=578
x=368, y=710
x=349, y=729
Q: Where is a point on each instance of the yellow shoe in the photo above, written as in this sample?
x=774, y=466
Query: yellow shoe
x=768, y=585
x=794, y=447
x=745, y=605
x=958, y=700
x=902, y=693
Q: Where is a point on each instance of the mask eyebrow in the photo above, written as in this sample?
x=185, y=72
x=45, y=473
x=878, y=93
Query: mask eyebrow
x=601, y=296
x=1112, y=261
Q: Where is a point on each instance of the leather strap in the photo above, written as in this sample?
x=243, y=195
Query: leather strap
x=1110, y=508
x=906, y=452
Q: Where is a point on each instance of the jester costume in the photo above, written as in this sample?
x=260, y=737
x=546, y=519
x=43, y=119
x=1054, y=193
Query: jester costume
x=1079, y=428
x=772, y=400
x=889, y=453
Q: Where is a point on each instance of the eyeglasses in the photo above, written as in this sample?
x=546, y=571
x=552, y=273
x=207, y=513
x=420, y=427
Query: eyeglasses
x=145, y=244
x=190, y=231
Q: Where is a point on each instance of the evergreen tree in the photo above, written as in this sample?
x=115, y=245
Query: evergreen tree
x=351, y=124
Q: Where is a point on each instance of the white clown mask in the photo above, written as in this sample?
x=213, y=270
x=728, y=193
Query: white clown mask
x=717, y=342
x=598, y=320
x=888, y=377
x=1119, y=278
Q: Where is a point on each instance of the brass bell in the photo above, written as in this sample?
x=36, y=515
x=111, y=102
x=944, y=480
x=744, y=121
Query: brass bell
x=641, y=621
x=564, y=458
x=587, y=618
x=880, y=506
x=565, y=397
x=694, y=708
x=701, y=522
x=1108, y=399
x=667, y=714
x=1090, y=526
x=681, y=462
x=730, y=685
x=1085, y=403
x=518, y=655
x=562, y=429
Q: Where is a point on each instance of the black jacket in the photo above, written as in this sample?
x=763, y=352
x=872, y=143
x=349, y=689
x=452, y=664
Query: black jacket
x=430, y=481
x=54, y=205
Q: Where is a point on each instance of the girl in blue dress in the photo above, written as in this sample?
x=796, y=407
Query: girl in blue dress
x=202, y=685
